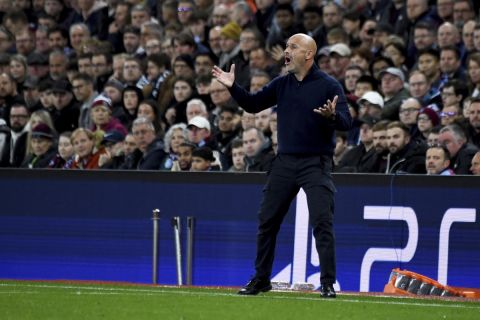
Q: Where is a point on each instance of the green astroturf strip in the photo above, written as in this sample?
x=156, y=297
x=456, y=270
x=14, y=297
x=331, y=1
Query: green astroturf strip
x=55, y=300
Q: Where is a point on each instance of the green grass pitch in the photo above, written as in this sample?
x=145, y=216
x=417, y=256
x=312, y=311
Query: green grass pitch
x=77, y=300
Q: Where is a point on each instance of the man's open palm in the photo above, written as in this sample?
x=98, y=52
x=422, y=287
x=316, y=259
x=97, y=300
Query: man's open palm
x=226, y=78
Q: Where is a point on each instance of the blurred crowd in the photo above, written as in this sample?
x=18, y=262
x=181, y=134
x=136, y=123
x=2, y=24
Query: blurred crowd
x=126, y=84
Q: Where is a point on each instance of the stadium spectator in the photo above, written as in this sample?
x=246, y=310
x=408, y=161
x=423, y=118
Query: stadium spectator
x=202, y=160
x=84, y=92
x=393, y=91
x=184, y=161
x=66, y=111
x=150, y=152
x=437, y=161
x=238, y=156
x=101, y=117
x=175, y=136
x=474, y=121
x=405, y=156
x=42, y=146
x=258, y=151
x=475, y=168
x=461, y=151
x=427, y=119
x=65, y=151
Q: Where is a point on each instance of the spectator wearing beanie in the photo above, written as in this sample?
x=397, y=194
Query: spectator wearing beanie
x=101, y=116
x=229, y=42
x=427, y=119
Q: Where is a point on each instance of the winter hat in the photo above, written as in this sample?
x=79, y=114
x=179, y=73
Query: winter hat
x=102, y=100
x=204, y=153
x=231, y=31
x=432, y=115
x=41, y=130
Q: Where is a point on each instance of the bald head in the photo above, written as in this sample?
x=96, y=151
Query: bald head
x=306, y=42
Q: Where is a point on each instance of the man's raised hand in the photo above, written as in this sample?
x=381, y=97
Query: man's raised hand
x=226, y=78
x=328, y=109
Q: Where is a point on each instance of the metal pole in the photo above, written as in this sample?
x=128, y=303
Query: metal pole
x=178, y=250
x=155, y=218
x=190, y=228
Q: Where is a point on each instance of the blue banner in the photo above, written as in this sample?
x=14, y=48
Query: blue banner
x=97, y=226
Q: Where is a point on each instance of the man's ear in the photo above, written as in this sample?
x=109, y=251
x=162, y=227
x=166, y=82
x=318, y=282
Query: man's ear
x=309, y=55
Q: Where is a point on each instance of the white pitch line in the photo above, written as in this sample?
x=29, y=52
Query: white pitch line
x=155, y=291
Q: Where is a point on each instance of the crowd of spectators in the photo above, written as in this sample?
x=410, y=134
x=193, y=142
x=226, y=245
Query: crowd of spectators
x=126, y=84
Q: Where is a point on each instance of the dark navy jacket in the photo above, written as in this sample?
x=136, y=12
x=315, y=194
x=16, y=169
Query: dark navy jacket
x=300, y=130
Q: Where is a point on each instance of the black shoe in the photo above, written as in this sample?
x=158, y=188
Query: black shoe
x=255, y=286
x=327, y=291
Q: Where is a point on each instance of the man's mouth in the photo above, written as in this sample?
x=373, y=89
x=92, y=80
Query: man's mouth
x=287, y=60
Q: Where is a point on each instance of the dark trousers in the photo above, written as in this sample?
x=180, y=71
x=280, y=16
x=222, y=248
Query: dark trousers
x=288, y=174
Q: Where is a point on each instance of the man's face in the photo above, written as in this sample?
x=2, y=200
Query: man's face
x=194, y=110
x=129, y=144
x=428, y=64
x=85, y=66
x=248, y=120
x=262, y=120
x=475, y=168
x=153, y=46
x=197, y=135
x=139, y=18
x=423, y=38
x=182, y=91
x=366, y=134
x=238, y=156
x=56, y=41
x=203, y=65
x=435, y=161
x=199, y=164
x=474, y=115
x=58, y=66
x=449, y=62
x=449, y=114
x=448, y=140
x=409, y=111
x=251, y=143
x=351, y=77
x=77, y=36
x=18, y=118
x=449, y=97
x=418, y=85
x=295, y=54
x=219, y=93
x=61, y=99
x=257, y=83
x=462, y=12
x=184, y=157
x=467, y=35
x=391, y=84
x=131, y=42
x=144, y=136
x=415, y=8
x=331, y=16
x=113, y=93
x=225, y=122
x=284, y=19
x=24, y=43
x=131, y=71
x=82, y=90
x=311, y=20
x=100, y=66
x=397, y=139
x=7, y=87
x=257, y=59
x=380, y=141
x=447, y=35
x=444, y=8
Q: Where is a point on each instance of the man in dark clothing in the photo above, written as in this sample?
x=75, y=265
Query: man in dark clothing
x=258, y=150
x=150, y=147
x=406, y=155
x=308, y=116
x=66, y=112
x=461, y=151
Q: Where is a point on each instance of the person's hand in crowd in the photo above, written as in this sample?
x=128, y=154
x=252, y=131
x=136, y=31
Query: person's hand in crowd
x=104, y=158
x=225, y=78
x=113, y=27
x=328, y=109
x=277, y=53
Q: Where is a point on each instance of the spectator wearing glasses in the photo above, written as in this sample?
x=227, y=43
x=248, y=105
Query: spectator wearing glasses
x=427, y=119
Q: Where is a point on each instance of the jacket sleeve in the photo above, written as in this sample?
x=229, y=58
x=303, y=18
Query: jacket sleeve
x=343, y=119
x=258, y=101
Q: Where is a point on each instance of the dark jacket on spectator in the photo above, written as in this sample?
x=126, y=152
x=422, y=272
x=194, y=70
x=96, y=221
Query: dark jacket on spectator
x=462, y=161
x=411, y=159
